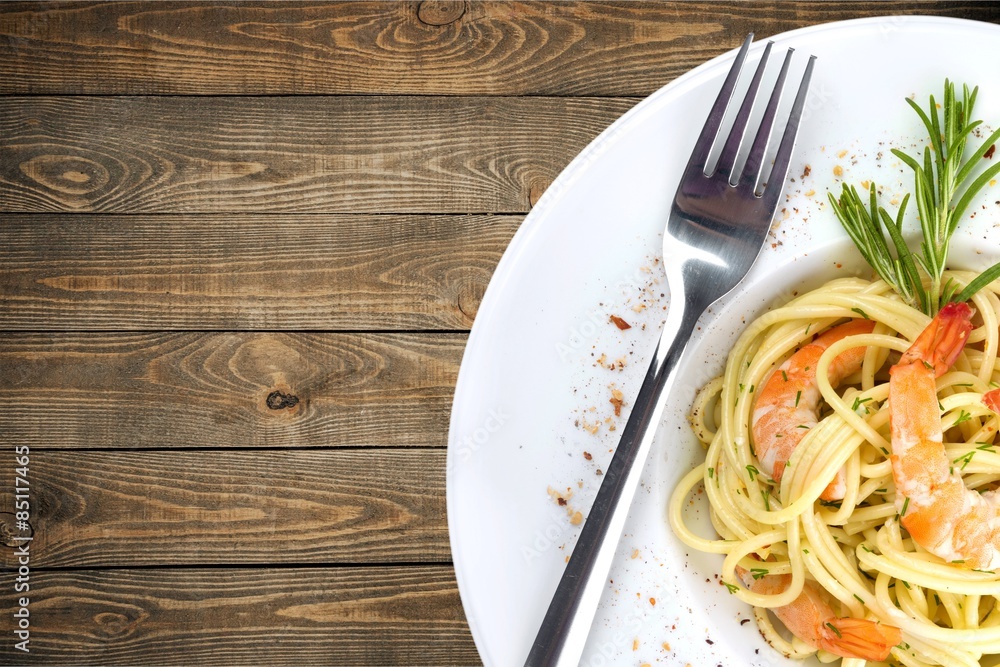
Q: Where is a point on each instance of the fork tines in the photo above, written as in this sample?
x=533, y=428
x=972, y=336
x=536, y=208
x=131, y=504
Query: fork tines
x=727, y=167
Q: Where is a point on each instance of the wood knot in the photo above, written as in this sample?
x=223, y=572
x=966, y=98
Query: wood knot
x=115, y=624
x=440, y=12
x=535, y=192
x=469, y=300
x=278, y=400
x=68, y=174
x=13, y=531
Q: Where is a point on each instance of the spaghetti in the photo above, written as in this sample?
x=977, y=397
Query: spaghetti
x=853, y=551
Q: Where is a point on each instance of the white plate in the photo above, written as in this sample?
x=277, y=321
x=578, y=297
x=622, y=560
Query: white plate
x=589, y=249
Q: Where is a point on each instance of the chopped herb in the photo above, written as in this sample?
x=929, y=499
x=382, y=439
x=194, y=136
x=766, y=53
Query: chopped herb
x=963, y=416
x=861, y=313
x=758, y=573
x=858, y=598
x=906, y=503
x=784, y=375
x=834, y=628
x=798, y=396
x=732, y=588
x=767, y=500
x=711, y=473
x=965, y=459
x=753, y=471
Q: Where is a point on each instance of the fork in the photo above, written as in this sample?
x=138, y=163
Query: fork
x=718, y=224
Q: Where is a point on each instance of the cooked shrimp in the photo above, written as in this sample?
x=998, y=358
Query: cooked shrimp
x=788, y=403
x=991, y=399
x=943, y=516
x=811, y=619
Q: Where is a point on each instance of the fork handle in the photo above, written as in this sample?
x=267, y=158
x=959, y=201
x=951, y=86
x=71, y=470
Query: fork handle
x=563, y=632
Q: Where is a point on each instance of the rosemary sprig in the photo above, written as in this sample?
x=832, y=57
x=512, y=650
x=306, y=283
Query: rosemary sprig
x=942, y=198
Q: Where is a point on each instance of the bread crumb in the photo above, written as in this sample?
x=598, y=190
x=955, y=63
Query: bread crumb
x=635, y=644
x=842, y=153
x=617, y=400
x=576, y=519
x=635, y=554
x=838, y=171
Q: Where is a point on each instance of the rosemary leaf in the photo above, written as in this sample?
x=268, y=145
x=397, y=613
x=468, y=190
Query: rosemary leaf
x=943, y=190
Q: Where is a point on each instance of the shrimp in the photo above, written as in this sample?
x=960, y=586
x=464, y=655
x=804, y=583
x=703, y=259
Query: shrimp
x=947, y=519
x=811, y=619
x=788, y=404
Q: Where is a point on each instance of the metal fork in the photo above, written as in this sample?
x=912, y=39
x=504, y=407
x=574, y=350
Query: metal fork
x=717, y=227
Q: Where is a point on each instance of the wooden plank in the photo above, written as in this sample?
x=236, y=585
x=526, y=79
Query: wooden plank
x=283, y=616
x=289, y=154
x=411, y=48
x=247, y=272
x=162, y=390
x=208, y=507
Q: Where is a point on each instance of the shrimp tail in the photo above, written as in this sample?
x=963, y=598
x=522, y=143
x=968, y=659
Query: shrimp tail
x=942, y=341
x=859, y=638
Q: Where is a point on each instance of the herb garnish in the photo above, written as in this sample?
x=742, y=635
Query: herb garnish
x=941, y=202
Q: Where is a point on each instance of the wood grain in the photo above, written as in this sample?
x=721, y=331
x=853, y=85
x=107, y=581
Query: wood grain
x=274, y=616
x=210, y=507
x=265, y=155
x=230, y=389
x=406, y=48
x=246, y=272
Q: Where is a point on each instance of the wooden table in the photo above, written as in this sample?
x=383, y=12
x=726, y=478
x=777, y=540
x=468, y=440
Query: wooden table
x=241, y=246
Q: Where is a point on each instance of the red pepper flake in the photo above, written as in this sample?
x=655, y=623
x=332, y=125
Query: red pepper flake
x=587, y=456
x=561, y=501
x=620, y=323
x=989, y=152
x=652, y=601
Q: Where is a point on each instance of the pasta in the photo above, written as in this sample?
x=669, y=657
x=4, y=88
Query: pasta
x=854, y=550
